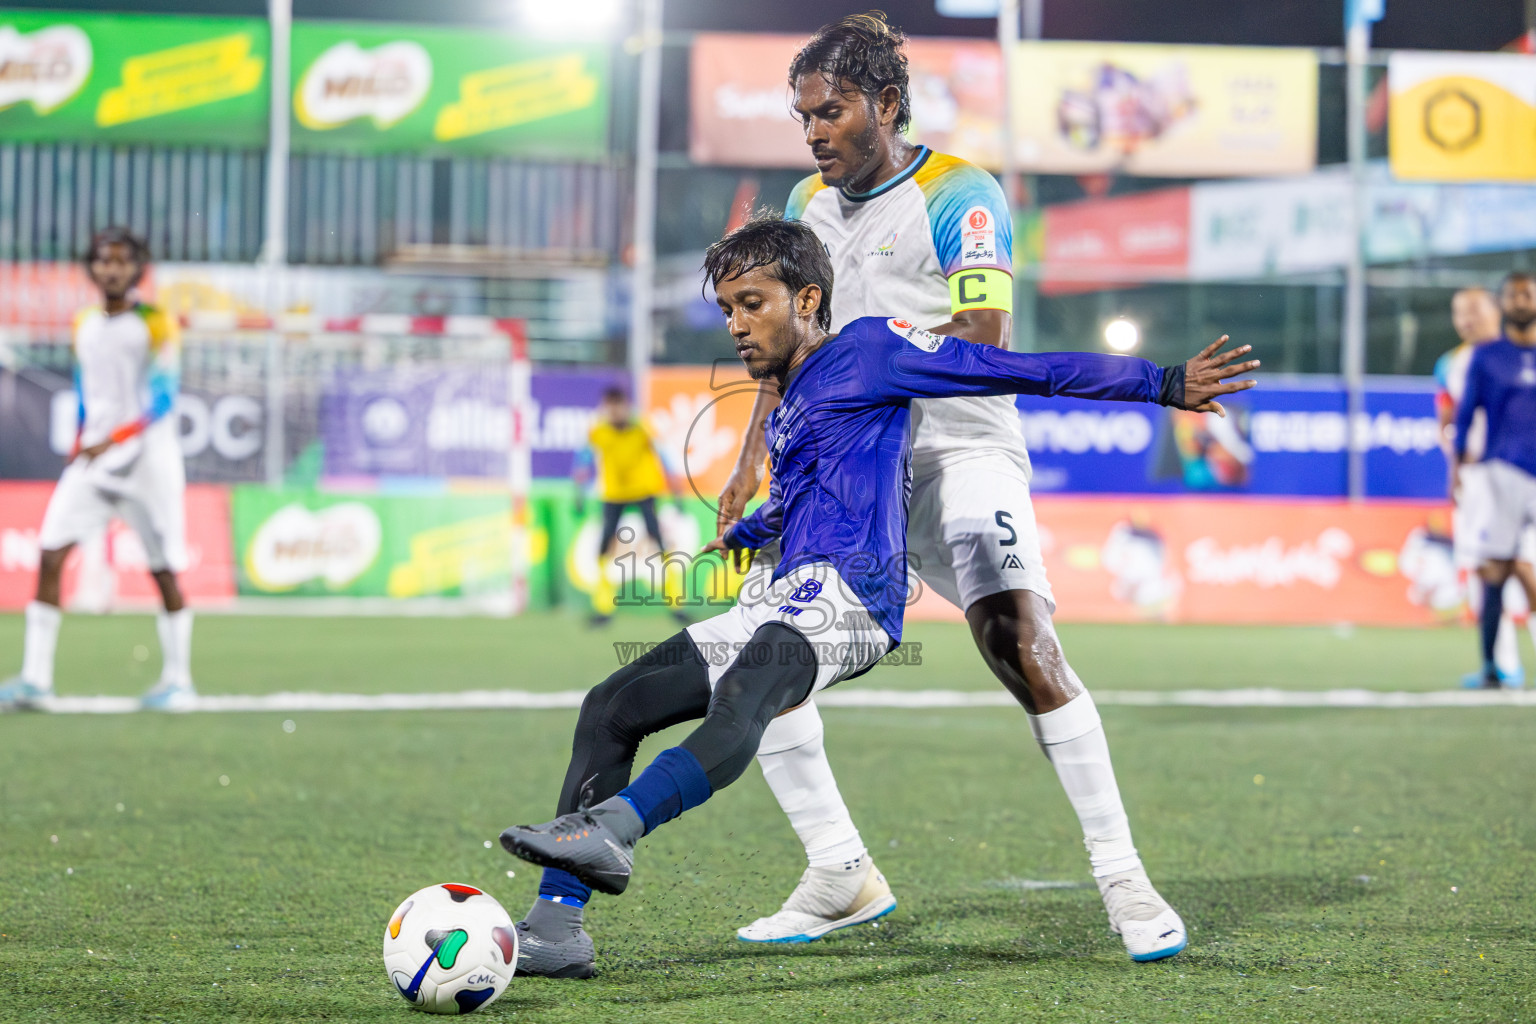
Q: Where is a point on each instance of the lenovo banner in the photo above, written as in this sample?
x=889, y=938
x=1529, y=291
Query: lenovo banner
x=1274, y=440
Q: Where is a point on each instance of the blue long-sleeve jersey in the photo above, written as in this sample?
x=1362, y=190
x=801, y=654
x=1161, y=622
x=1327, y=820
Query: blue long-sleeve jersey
x=1502, y=381
x=838, y=442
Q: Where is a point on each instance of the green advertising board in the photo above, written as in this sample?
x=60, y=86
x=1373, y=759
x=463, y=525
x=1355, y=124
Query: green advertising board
x=306, y=543
x=375, y=87
x=133, y=78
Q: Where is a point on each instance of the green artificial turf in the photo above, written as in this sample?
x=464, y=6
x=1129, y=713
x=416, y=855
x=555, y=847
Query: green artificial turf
x=1333, y=865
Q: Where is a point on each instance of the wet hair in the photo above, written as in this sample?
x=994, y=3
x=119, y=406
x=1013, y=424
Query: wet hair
x=787, y=250
x=864, y=49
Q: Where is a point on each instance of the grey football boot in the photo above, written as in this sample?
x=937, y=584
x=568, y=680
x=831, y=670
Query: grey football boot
x=595, y=844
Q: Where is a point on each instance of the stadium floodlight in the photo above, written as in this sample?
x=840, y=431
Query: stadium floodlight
x=1122, y=335
x=584, y=17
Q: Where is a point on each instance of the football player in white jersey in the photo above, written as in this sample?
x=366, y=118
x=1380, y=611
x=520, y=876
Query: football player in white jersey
x=928, y=236
x=126, y=464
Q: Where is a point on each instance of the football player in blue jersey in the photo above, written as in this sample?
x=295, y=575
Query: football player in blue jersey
x=841, y=456
x=1501, y=381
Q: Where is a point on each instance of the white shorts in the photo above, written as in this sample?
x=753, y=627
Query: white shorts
x=971, y=529
x=812, y=600
x=148, y=494
x=1509, y=514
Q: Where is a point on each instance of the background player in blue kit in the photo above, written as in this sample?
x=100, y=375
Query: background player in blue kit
x=1501, y=381
x=840, y=452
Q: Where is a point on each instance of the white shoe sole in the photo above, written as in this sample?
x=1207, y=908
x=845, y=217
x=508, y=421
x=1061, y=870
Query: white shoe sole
x=872, y=911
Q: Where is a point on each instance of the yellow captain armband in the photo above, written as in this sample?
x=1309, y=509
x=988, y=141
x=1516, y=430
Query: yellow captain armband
x=982, y=288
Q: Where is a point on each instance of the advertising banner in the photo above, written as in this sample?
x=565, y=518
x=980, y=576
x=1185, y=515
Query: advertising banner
x=364, y=545
x=372, y=87
x=111, y=571
x=453, y=421
x=1462, y=116
x=699, y=415
x=133, y=78
x=740, y=100
x=1168, y=111
x=222, y=432
x=1275, y=440
x=1264, y=228
x=1098, y=243
x=1209, y=560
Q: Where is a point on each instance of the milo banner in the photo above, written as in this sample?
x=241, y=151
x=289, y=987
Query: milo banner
x=372, y=87
x=133, y=78
x=310, y=544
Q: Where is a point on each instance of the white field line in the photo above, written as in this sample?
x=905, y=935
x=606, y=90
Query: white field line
x=523, y=700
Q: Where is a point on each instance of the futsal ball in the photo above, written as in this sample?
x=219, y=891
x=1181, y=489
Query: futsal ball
x=450, y=949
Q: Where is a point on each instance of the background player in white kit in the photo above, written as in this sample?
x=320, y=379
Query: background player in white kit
x=127, y=464
x=1475, y=315
x=928, y=237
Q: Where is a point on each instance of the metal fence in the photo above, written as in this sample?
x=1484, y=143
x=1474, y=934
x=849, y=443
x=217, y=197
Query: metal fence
x=201, y=203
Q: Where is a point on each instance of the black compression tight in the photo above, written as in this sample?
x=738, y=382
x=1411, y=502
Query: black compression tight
x=670, y=685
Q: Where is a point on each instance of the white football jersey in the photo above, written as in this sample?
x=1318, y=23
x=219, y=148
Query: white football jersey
x=934, y=240
x=1451, y=371
x=127, y=370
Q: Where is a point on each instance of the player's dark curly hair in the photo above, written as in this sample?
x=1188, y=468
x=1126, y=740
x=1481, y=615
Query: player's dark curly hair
x=787, y=249
x=117, y=235
x=866, y=50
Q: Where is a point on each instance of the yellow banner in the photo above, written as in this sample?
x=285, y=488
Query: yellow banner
x=516, y=94
x=181, y=77
x=1462, y=116
x=1164, y=111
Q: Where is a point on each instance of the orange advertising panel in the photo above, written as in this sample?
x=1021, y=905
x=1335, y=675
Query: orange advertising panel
x=740, y=99
x=1214, y=560
x=699, y=415
x=112, y=572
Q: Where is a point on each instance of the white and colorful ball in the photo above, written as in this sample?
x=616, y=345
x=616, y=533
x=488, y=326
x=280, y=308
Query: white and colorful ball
x=450, y=948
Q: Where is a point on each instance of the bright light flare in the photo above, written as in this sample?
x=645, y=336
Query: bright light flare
x=581, y=18
x=1122, y=335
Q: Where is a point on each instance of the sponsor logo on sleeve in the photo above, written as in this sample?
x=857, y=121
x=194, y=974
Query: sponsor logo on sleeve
x=978, y=238
x=925, y=340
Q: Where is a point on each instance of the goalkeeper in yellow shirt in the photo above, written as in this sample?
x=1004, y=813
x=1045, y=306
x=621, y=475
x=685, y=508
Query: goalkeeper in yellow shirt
x=623, y=460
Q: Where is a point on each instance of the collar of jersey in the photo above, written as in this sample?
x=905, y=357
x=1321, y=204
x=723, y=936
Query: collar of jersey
x=906, y=172
x=795, y=373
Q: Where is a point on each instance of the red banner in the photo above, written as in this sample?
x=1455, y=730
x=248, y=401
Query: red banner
x=112, y=572
x=1098, y=243
x=1252, y=561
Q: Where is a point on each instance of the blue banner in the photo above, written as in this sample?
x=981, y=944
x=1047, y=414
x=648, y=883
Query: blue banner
x=1287, y=438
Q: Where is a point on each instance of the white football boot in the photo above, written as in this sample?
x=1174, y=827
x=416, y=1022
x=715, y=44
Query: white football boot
x=1150, y=928
x=825, y=900
x=169, y=695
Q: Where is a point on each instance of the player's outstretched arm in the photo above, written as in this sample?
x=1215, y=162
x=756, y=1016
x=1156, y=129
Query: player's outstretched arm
x=910, y=363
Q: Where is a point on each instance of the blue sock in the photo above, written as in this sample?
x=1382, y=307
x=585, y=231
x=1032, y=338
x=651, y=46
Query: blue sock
x=563, y=887
x=674, y=783
x=1493, y=612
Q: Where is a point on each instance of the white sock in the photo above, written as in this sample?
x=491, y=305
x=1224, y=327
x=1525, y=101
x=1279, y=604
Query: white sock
x=42, y=640
x=1506, y=645
x=1073, y=738
x=175, y=629
x=794, y=762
